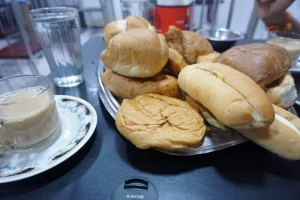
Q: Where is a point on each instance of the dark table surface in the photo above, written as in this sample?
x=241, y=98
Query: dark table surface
x=245, y=171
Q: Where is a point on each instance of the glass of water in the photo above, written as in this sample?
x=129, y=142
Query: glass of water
x=58, y=29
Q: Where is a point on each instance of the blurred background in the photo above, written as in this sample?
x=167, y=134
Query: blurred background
x=20, y=52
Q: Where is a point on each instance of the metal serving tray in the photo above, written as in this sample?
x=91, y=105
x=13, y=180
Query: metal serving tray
x=214, y=139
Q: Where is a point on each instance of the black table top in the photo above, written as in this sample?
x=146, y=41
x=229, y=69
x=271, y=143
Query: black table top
x=245, y=171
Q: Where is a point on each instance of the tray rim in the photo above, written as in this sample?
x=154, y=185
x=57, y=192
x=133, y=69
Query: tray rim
x=112, y=105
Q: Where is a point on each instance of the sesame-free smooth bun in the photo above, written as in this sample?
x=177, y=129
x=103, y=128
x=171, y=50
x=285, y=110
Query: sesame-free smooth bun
x=262, y=62
x=157, y=121
x=136, y=53
x=282, y=137
x=232, y=97
x=128, y=88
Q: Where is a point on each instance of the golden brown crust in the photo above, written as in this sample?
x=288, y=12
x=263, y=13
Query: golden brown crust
x=174, y=38
x=113, y=28
x=279, y=137
x=188, y=43
x=136, y=53
x=210, y=57
x=175, y=63
x=231, y=96
x=128, y=88
x=194, y=45
x=262, y=62
x=156, y=121
x=131, y=22
x=134, y=22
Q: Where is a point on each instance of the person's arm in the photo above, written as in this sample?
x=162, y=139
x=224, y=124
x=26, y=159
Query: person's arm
x=273, y=13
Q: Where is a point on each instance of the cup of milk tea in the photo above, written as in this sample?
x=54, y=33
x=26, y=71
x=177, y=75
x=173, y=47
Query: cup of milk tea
x=28, y=115
x=288, y=40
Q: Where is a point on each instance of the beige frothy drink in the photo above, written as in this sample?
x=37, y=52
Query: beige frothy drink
x=293, y=47
x=30, y=121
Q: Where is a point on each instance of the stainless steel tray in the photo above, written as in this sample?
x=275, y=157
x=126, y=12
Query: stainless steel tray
x=214, y=139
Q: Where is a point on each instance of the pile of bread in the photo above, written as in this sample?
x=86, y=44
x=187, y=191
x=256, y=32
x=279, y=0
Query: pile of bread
x=173, y=86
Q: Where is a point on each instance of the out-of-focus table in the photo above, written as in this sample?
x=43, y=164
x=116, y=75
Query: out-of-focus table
x=245, y=171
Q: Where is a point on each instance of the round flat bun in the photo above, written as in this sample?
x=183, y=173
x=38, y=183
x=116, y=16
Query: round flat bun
x=283, y=92
x=282, y=137
x=175, y=63
x=231, y=96
x=128, y=88
x=136, y=53
x=262, y=62
x=157, y=121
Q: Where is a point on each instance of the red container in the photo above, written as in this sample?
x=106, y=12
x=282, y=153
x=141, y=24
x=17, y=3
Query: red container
x=179, y=16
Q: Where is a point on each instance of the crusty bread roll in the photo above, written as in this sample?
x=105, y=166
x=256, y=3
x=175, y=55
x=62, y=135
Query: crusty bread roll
x=232, y=97
x=282, y=137
x=131, y=22
x=157, y=121
x=128, y=88
x=175, y=62
x=136, y=53
x=194, y=45
x=283, y=92
x=188, y=43
x=174, y=38
x=210, y=57
x=262, y=62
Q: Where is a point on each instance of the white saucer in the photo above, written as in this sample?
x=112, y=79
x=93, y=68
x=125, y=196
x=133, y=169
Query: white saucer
x=79, y=120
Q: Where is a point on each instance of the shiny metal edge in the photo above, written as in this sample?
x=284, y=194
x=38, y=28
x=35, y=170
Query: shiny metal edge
x=211, y=141
x=108, y=100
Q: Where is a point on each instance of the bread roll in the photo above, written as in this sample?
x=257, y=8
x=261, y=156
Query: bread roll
x=136, y=53
x=131, y=22
x=157, y=121
x=210, y=57
x=113, y=28
x=175, y=62
x=232, y=97
x=262, y=62
x=194, y=45
x=188, y=43
x=283, y=92
x=128, y=88
x=282, y=137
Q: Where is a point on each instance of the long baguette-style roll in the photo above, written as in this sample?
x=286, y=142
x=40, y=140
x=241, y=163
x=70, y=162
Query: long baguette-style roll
x=231, y=96
x=282, y=137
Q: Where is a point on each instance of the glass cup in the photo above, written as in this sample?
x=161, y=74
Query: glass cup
x=28, y=115
x=288, y=40
x=58, y=29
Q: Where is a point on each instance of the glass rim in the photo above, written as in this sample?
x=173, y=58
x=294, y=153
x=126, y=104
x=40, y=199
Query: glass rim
x=28, y=98
x=38, y=12
x=285, y=34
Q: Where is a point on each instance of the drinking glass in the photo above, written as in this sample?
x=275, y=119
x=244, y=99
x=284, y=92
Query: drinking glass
x=58, y=29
